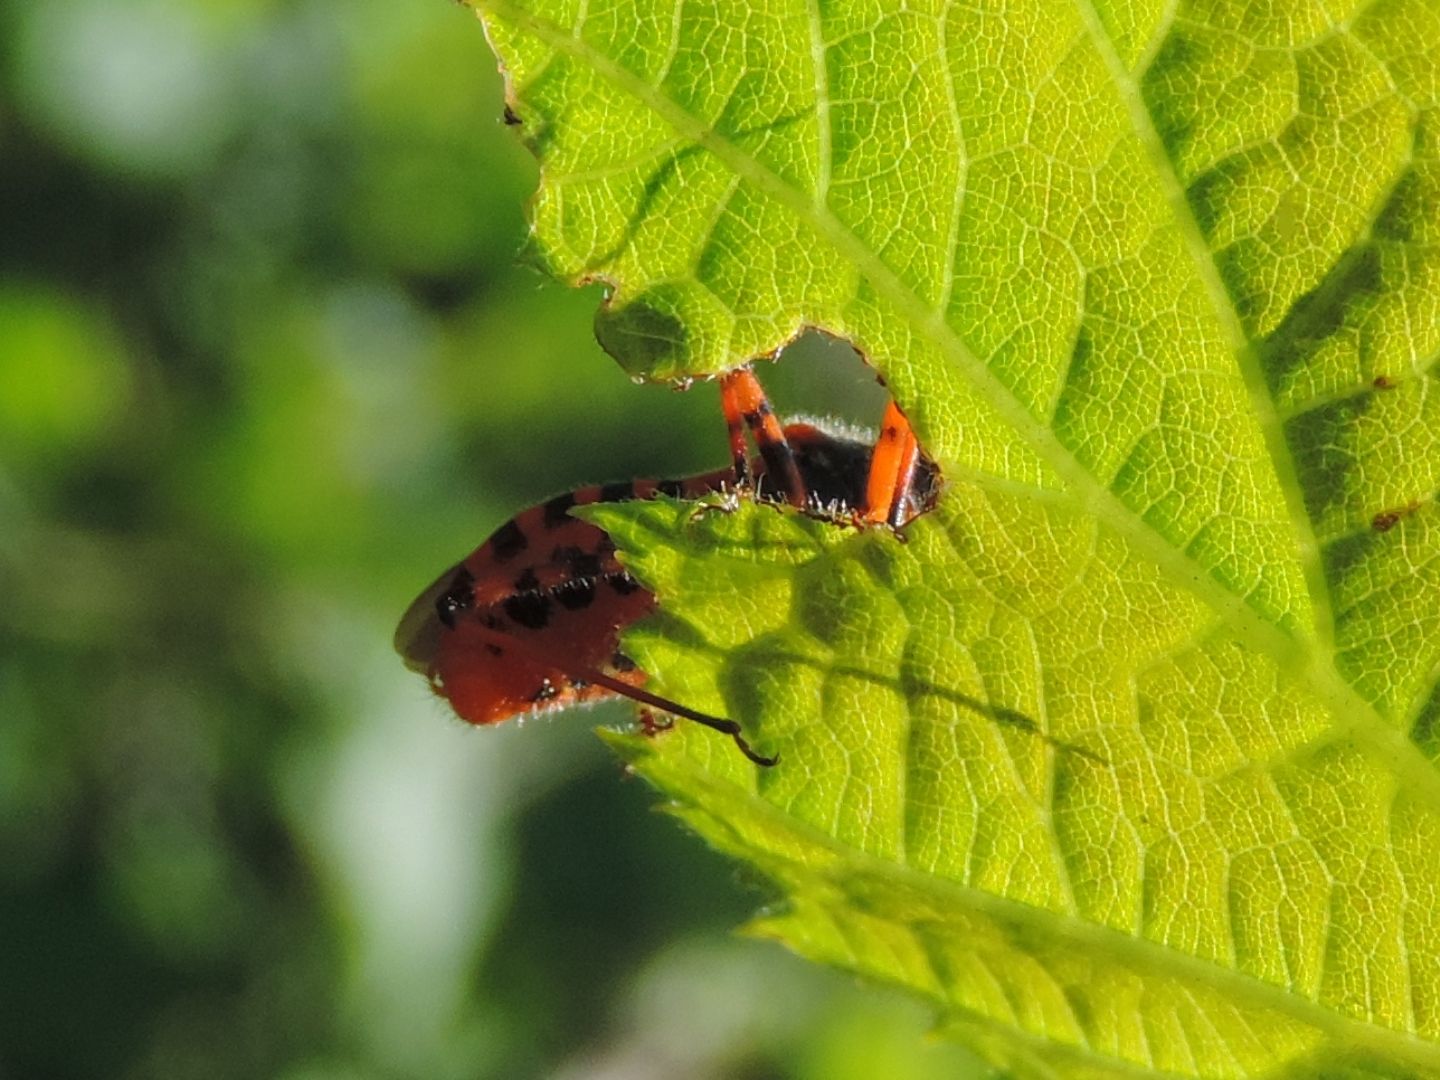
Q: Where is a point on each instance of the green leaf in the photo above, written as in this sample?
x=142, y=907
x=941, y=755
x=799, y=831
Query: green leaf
x=1125, y=757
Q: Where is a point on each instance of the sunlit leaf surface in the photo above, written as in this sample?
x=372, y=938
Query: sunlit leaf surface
x=1125, y=758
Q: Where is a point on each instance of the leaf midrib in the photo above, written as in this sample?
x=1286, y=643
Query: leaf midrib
x=1262, y=404
x=1298, y=655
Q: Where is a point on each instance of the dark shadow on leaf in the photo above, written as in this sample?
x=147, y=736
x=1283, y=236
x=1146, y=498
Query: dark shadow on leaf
x=1318, y=438
x=646, y=333
x=654, y=184
x=682, y=632
x=1426, y=732
x=745, y=696
x=663, y=173
x=1406, y=207
x=1323, y=457
x=1172, y=111
x=706, y=531
x=1320, y=314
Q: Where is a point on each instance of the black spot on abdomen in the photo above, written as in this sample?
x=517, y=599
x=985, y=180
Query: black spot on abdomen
x=509, y=540
x=620, y=492
x=529, y=609
x=574, y=595
x=557, y=510
x=622, y=583
x=459, y=597
x=578, y=562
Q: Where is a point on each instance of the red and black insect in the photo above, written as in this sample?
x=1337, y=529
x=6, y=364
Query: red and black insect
x=531, y=620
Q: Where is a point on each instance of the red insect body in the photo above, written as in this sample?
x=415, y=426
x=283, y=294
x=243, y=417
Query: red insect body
x=532, y=618
x=551, y=583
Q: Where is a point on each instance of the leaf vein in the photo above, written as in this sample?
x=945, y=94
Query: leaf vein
x=823, y=150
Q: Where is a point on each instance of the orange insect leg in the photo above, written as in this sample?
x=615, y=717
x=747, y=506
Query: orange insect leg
x=745, y=406
x=892, y=468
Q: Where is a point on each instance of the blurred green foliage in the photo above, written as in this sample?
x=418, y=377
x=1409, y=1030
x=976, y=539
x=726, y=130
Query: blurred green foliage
x=268, y=362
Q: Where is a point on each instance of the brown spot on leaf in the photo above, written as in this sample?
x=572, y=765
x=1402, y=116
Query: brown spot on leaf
x=1388, y=519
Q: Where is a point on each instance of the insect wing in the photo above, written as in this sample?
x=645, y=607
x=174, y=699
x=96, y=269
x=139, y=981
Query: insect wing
x=417, y=638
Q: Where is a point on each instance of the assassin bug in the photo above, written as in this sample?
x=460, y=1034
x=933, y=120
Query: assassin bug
x=531, y=620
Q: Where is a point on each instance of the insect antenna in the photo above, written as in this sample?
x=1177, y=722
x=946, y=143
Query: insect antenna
x=581, y=672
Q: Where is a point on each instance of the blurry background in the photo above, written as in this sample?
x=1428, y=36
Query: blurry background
x=269, y=362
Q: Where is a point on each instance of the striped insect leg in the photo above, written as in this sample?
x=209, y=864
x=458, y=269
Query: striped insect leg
x=744, y=404
x=892, y=469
